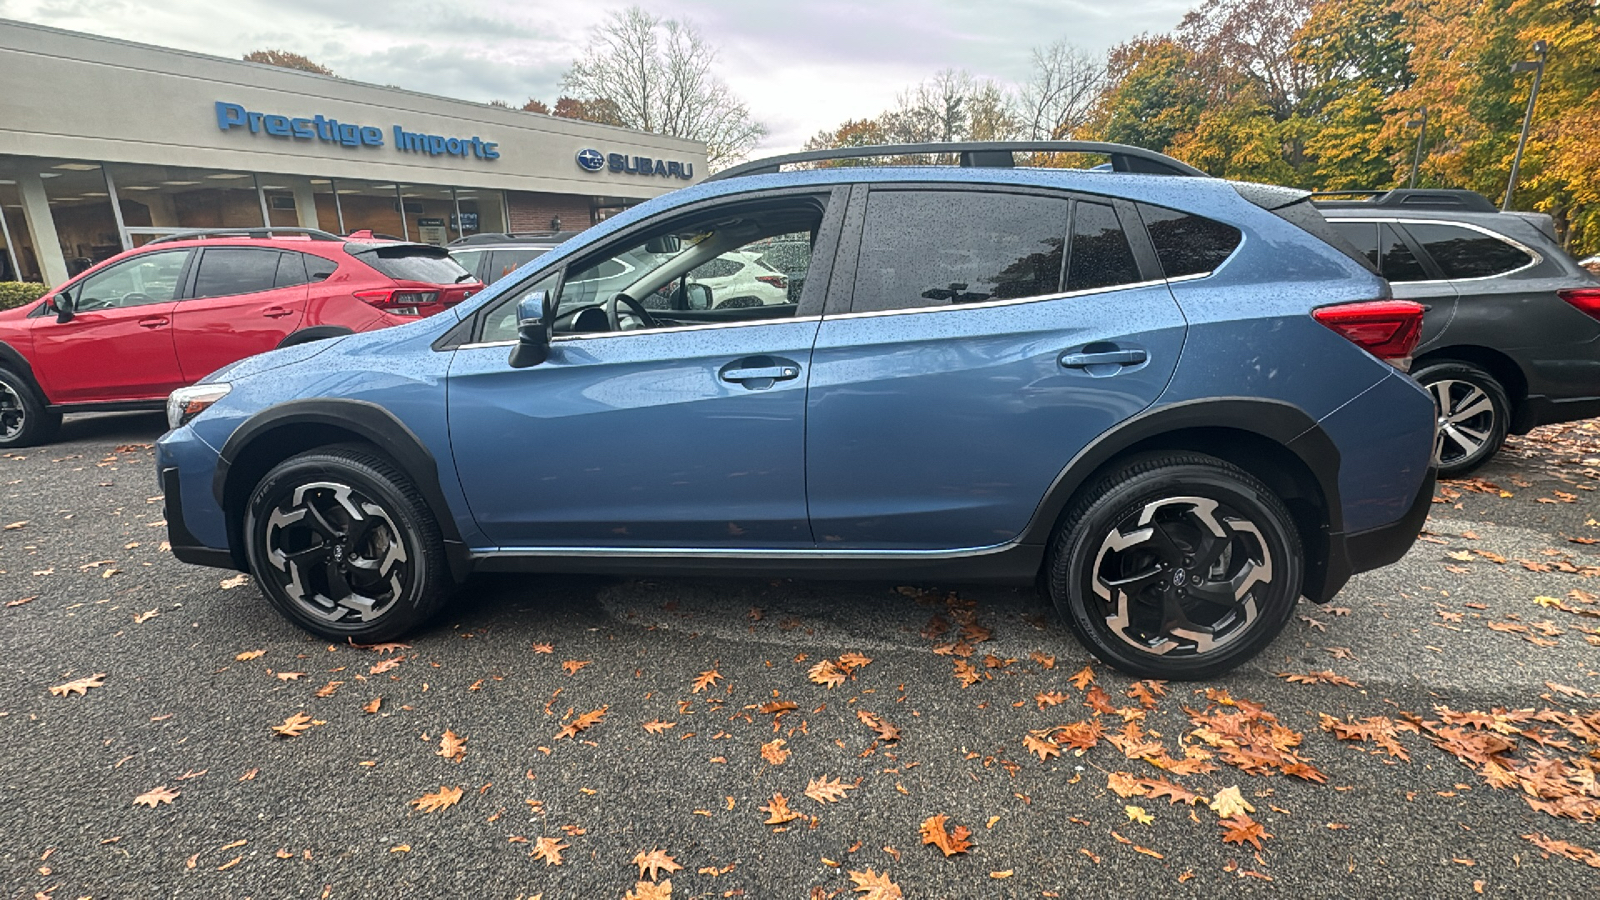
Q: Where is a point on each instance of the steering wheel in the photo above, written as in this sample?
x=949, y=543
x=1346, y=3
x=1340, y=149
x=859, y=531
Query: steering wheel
x=136, y=298
x=85, y=304
x=634, y=307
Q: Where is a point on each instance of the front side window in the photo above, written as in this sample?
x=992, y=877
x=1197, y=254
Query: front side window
x=1100, y=255
x=1467, y=253
x=145, y=279
x=938, y=248
x=231, y=271
x=1188, y=244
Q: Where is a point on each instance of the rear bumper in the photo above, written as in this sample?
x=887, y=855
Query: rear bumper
x=1540, y=410
x=1374, y=548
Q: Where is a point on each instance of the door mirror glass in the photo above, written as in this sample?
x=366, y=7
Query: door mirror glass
x=697, y=296
x=533, y=331
x=63, y=306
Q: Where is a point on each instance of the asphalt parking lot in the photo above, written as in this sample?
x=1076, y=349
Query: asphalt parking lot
x=1469, y=668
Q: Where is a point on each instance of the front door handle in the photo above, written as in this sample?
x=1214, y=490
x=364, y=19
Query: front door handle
x=1103, y=358
x=775, y=373
x=153, y=321
x=759, y=372
x=276, y=312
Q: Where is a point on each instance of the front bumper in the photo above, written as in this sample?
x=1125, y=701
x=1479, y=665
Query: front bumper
x=185, y=546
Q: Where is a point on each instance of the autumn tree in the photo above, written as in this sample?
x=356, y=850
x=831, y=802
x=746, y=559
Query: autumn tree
x=601, y=111
x=656, y=74
x=1154, y=96
x=286, y=60
x=536, y=106
x=1064, y=84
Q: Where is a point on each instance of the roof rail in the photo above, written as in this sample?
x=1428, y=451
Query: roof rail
x=1409, y=198
x=316, y=234
x=978, y=154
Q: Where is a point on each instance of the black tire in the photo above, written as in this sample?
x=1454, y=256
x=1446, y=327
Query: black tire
x=1474, y=413
x=1186, y=498
x=344, y=546
x=25, y=420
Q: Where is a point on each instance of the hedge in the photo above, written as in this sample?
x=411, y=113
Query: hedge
x=20, y=293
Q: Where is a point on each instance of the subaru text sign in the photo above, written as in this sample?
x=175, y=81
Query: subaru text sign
x=591, y=160
x=320, y=128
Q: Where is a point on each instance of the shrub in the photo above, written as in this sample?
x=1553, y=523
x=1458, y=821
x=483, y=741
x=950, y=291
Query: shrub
x=20, y=293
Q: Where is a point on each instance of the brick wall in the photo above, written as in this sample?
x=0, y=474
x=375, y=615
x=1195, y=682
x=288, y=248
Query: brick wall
x=529, y=211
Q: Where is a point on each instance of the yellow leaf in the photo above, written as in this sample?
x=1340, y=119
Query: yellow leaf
x=1137, y=814
x=1228, y=803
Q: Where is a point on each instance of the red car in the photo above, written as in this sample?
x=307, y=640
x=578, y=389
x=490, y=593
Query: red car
x=136, y=327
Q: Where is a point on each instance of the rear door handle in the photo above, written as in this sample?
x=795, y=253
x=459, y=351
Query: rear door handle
x=1103, y=358
x=276, y=312
x=153, y=321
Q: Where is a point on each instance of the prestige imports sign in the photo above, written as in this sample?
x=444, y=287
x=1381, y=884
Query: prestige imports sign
x=320, y=128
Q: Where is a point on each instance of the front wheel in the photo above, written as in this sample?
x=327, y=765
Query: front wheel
x=343, y=545
x=24, y=418
x=1176, y=566
x=1474, y=413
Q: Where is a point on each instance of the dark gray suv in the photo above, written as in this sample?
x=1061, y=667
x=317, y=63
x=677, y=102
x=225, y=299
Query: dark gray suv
x=1511, y=339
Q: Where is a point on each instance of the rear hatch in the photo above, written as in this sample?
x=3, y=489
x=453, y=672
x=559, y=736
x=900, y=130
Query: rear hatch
x=426, y=279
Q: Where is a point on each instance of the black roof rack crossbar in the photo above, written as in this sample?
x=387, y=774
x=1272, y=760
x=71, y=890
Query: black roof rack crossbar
x=316, y=234
x=978, y=154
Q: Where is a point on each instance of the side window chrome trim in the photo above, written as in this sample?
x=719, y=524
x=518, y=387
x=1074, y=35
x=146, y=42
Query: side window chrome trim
x=1015, y=301
x=1535, y=256
x=563, y=338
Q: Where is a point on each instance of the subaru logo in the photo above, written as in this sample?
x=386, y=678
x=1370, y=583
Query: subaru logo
x=591, y=160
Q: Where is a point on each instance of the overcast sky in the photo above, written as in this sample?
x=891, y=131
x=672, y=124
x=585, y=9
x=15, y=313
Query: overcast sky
x=801, y=66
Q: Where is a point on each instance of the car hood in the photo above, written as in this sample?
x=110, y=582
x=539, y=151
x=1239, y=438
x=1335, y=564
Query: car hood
x=272, y=359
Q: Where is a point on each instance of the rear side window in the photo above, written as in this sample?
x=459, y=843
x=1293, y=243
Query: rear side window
x=1362, y=235
x=318, y=268
x=1466, y=253
x=1398, y=263
x=291, y=270
x=1100, y=255
x=406, y=262
x=1188, y=244
x=228, y=271
x=933, y=248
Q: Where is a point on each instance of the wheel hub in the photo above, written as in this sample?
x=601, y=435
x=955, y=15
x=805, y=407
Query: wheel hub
x=338, y=554
x=1466, y=420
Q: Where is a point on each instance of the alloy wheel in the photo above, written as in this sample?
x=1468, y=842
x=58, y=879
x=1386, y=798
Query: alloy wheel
x=13, y=415
x=1181, y=576
x=1466, y=420
x=337, y=554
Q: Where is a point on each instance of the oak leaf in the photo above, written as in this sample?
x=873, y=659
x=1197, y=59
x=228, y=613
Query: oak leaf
x=1228, y=803
x=967, y=674
x=852, y=661
x=1243, y=829
x=657, y=726
x=773, y=752
x=1042, y=746
x=1052, y=698
x=373, y=706
x=78, y=686
x=1125, y=785
x=1175, y=793
x=386, y=665
x=826, y=673
x=445, y=798
x=1045, y=661
x=248, y=655
x=874, y=886
x=548, y=849
x=778, y=811
x=885, y=731
x=452, y=745
x=777, y=707
x=572, y=666
x=294, y=726
x=1562, y=848
x=654, y=862
x=1083, y=678
x=645, y=890
x=543, y=648
x=582, y=723
x=705, y=680
x=156, y=796
x=949, y=842
x=825, y=790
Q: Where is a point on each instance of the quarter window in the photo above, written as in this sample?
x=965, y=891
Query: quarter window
x=1100, y=255
x=1398, y=262
x=1191, y=245
x=1362, y=235
x=1465, y=253
x=227, y=272
x=936, y=248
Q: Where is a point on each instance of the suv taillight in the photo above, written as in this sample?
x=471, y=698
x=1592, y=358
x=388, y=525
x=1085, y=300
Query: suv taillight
x=399, y=301
x=1586, y=299
x=1388, y=329
x=778, y=281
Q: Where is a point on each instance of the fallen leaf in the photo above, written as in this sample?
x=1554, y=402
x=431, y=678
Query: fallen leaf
x=645, y=890
x=654, y=862
x=825, y=790
x=572, y=666
x=826, y=673
x=239, y=580
x=79, y=686
x=156, y=796
x=1138, y=814
x=874, y=886
x=1228, y=803
x=705, y=680
x=452, y=746
x=548, y=849
x=373, y=706
x=657, y=726
x=778, y=811
x=774, y=753
x=1242, y=829
x=1083, y=678
x=248, y=655
x=582, y=723
x=290, y=676
x=294, y=726
x=445, y=798
x=949, y=842
x=386, y=665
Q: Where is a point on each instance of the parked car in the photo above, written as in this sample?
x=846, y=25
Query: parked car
x=1511, y=339
x=127, y=332
x=493, y=256
x=1174, y=401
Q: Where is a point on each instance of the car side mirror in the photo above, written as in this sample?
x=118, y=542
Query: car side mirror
x=534, y=324
x=697, y=296
x=63, y=307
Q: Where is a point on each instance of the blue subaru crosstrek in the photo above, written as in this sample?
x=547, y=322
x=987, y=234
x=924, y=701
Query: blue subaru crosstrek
x=1177, y=403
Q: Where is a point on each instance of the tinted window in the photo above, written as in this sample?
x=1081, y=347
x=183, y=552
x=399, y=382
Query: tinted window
x=291, y=270
x=1189, y=244
x=147, y=278
x=412, y=263
x=1362, y=235
x=470, y=260
x=1465, y=253
x=1398, y=262
x=1100, y=254
x=318, y=268
x=504, y=262
x=226, y=272
x=930, y=248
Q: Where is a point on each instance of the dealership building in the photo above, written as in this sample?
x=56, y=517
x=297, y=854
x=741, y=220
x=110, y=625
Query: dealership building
x=106, y=144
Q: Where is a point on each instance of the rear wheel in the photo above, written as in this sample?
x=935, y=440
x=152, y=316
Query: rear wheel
x=1473, y=414
x=1176, y=566
x=343, y=545
x=24, y=418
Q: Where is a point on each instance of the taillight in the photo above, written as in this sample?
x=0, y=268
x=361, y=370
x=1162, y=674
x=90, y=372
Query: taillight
x=1388, y=329
x=1586, y=299
x=777, y=281
x=400, y=302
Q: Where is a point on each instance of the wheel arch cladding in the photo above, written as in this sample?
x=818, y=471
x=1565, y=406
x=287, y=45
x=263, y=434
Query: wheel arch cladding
x=1274, y=441
x=15, y=362
x=282, y=431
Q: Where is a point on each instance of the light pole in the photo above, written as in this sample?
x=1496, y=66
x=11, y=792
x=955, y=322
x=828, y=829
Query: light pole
x=1421, y=124
x=1536, y=66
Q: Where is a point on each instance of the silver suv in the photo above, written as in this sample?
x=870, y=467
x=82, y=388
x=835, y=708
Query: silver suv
x=1511, y=339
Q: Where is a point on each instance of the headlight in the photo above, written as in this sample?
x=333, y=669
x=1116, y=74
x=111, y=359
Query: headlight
x=186, y=403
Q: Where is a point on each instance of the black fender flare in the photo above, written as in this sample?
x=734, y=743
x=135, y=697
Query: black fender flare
x=314, y=333
x=369, y=422
x=16, y=362
x=1276, y=421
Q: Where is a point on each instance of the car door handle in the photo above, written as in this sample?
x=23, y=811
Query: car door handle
x=758, y=373
x=1103, y=358
x=276, y=312
x=153, y=321
x=775, y=373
